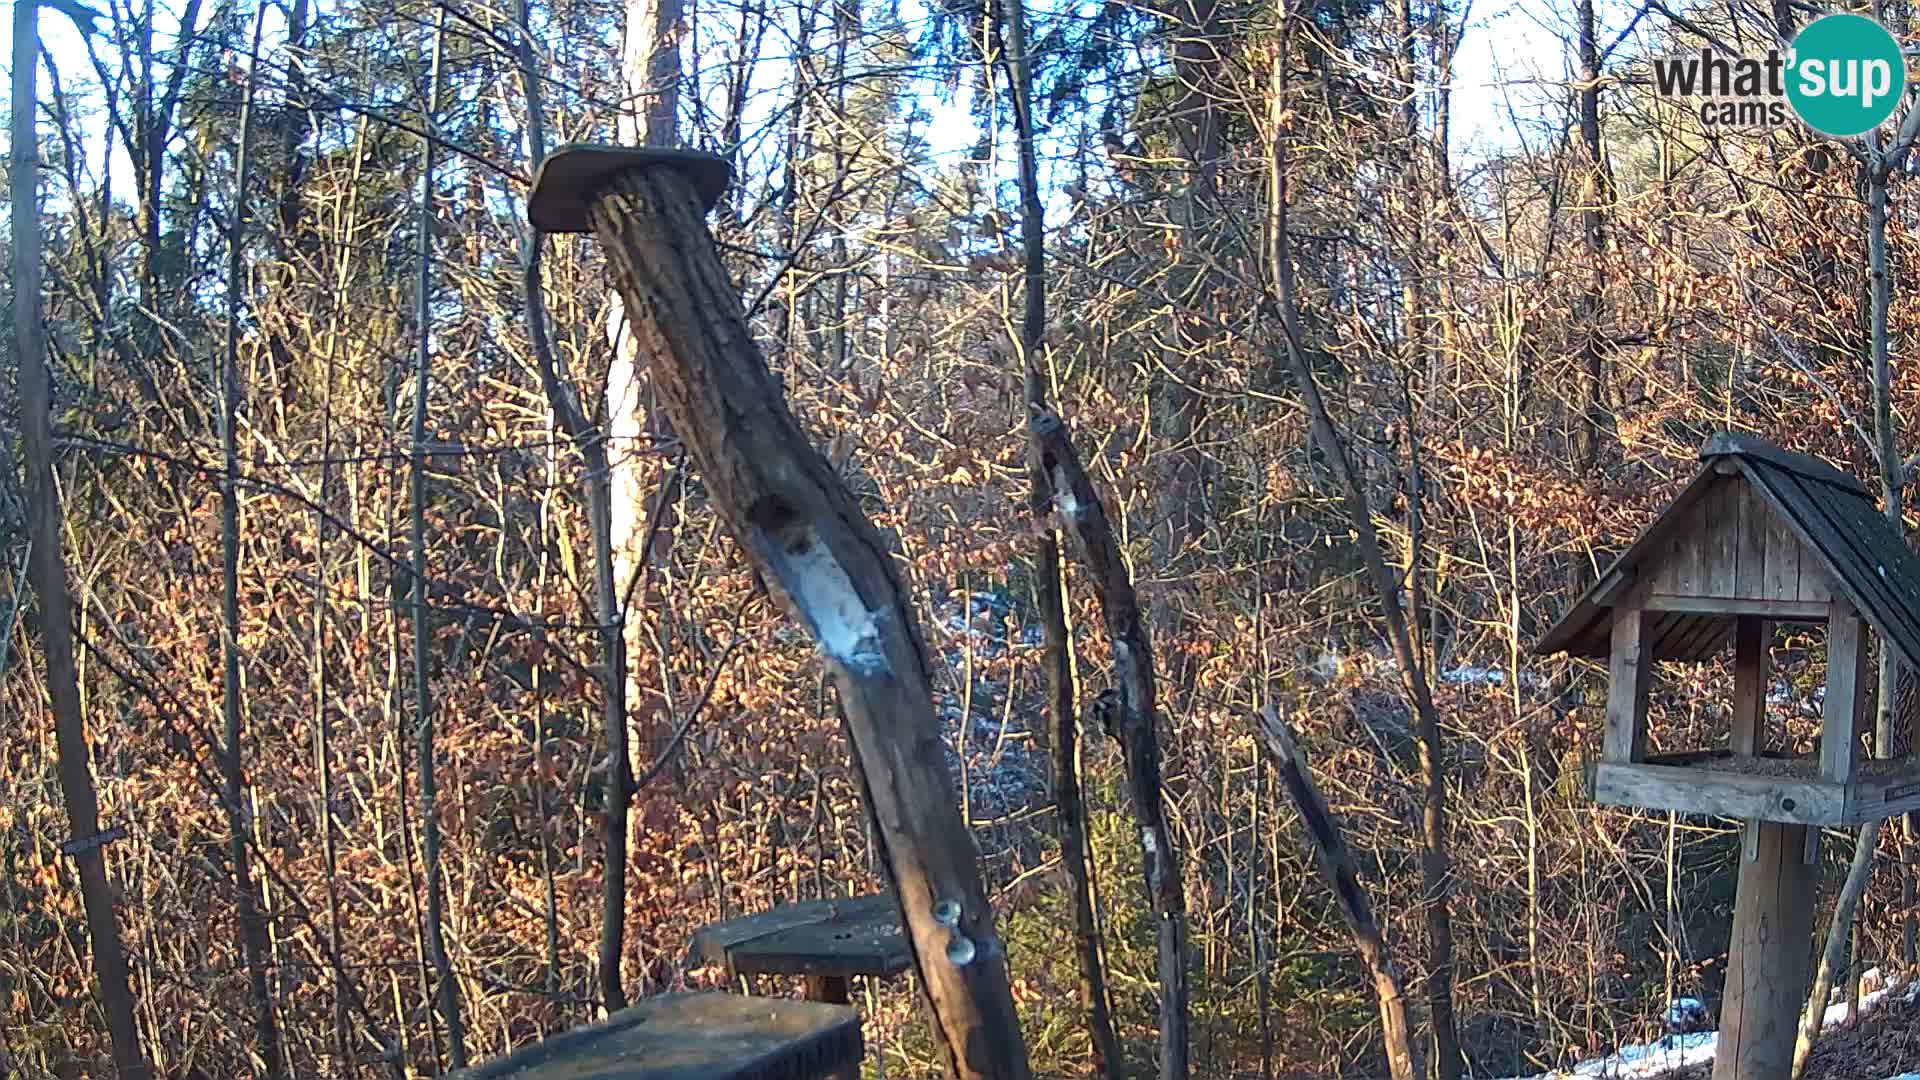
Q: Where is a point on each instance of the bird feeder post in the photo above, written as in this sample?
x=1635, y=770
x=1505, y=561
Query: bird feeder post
x=820, y=557
x=1768, y=956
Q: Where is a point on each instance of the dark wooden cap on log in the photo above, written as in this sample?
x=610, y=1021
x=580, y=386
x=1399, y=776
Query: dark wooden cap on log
x=573, y=176
x=704, y=1036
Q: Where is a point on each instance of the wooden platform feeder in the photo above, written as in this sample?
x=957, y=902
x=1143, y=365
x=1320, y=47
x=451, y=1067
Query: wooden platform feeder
x=694, y=1037
x=1762, y=536
x=827, y=942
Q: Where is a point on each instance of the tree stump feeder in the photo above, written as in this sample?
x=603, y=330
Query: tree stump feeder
x=820, y=557
x=824, y=941
x=710, y=1036
x=1761, y=536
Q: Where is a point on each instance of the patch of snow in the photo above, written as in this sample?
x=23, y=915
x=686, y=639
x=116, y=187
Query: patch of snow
x=1326, y=667
x=1064, y=503
x=1469, y=674
x=1837, y=1013
x=1807, y=704
x=1001, y=771
x=1648, y=1059
x=1680, y=1051
x=1478, y=675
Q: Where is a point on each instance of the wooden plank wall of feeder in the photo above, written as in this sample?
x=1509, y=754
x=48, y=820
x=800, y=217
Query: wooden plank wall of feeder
x=1738, y=557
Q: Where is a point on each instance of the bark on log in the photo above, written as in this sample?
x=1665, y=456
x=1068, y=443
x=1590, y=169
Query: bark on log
x=827, y=566
x=1128, y=714
x=1331, y=855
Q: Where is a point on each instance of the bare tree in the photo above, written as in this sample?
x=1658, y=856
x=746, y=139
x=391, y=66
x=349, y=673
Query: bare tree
x=253, y=933
x=1128, y=713
x=648, y=115
x=447, y=988
x=1062, y=721
x=1281, y=301
x=1880, y=158
x=1337, y=870
x=47, y=564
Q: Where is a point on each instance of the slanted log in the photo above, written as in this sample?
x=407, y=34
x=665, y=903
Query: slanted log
x=1335, y=861
x=823, y=562
x=1128, y=714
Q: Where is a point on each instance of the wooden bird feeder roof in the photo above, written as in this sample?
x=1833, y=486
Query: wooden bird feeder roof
x=1760, y=531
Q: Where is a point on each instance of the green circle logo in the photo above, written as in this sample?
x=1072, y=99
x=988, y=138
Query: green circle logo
x=1845, y=75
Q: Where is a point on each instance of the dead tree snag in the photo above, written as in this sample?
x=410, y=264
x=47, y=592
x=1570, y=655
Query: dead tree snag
x=822, y=560
x=1335, y=860
x=1128, y=714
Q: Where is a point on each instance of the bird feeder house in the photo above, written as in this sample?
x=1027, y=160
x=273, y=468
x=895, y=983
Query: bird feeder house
x=1761, y=537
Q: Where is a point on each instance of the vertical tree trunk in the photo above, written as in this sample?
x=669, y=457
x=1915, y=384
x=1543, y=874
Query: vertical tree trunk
x=1596, y=192
x=253, y=935
x=1860, y=870
x=447, y=990
x=322, y=733
x=559, y=404
x=1069, y=813
x=1181, y=510
x=598, y=491
x=1434, y=860
x=47, y=563
x=616, y=496
x=648, y=116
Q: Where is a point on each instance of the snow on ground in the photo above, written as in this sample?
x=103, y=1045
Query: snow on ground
x=1001, y=772
x=1649, y=1059
x=1477, y=675
x=1679, y=1051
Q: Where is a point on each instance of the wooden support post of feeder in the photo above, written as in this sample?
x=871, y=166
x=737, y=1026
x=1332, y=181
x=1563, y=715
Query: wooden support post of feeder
x=1768, y=957
x=822, y=560
x=1846, y=700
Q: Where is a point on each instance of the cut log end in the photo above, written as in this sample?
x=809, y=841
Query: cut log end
x=844, y=628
